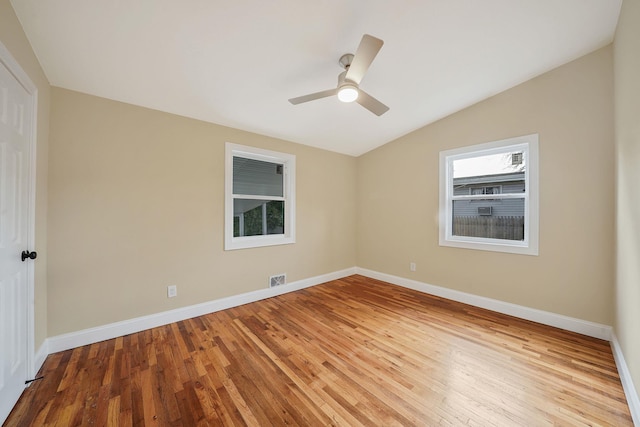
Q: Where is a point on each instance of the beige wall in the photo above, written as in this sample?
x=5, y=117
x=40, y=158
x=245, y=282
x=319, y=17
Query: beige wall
x=136, y=204
x=627, y=127
x=14, y=39
x=571, y=108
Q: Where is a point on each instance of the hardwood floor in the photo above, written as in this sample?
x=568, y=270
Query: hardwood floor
x=350, y=352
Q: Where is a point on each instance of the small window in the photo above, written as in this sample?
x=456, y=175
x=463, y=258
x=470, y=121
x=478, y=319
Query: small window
x=484, y=190
x=259, y=197
x=489, y=196
x=516, y=159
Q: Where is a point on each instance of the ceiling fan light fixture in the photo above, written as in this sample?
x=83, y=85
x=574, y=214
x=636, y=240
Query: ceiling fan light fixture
x=355, y=67
x=348, y=93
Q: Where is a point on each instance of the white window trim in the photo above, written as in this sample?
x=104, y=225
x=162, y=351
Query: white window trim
x=529, y=246
x=289, y=169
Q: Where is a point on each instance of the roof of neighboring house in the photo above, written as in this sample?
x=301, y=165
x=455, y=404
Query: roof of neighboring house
x=489, y=179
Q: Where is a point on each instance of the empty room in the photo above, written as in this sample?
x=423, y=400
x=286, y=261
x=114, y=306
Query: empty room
x=343, y=213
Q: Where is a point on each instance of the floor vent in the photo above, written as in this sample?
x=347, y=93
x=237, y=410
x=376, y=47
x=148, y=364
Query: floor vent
x=277, y=280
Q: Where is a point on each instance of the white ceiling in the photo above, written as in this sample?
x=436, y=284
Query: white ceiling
x=237, y=62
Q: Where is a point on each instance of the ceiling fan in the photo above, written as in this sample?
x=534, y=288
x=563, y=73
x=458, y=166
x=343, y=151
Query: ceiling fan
x=355, y=67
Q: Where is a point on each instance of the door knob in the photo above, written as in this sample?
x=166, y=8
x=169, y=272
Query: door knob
x=30, y=255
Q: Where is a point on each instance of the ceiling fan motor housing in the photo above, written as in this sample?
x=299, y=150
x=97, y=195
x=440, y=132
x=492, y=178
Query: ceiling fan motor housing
x=345, y=60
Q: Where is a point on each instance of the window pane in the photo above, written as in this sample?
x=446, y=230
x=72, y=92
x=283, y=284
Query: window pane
x=491, y=164
x=486, y=193
x=489, y=218
x=501, y=173
x=255, y=177
x=259, y=194
x=257, y=217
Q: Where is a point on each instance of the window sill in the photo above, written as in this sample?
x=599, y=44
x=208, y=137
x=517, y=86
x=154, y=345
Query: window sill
x=504, y=246
x=257, y=242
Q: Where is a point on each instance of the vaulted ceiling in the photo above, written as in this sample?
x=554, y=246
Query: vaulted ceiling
x=236, y=63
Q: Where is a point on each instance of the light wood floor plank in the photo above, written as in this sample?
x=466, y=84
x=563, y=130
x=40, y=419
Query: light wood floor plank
x=351, y=352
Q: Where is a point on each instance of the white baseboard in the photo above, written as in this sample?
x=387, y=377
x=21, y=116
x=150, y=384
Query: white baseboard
x=125, y=327
x=39, y=357
x=584, y=327
x=625, y=378
x=113, y=330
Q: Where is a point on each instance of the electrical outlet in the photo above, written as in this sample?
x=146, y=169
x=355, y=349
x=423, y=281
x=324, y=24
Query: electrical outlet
x=172, y=291
x=412, y=266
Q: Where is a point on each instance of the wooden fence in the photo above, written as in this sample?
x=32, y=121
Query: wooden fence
x=493, y=227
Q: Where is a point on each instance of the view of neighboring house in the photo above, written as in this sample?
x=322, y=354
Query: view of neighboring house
x=487, y=185
x=492, y=217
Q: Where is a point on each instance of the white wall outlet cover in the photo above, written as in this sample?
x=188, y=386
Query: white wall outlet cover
x=172, y=291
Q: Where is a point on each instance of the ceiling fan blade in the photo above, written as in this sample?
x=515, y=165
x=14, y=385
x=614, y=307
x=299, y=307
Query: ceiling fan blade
x=366, y=53
x=371, y=104
x=313, y=96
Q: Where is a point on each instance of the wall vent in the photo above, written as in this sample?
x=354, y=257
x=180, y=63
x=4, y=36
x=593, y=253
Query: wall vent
x=277, y=280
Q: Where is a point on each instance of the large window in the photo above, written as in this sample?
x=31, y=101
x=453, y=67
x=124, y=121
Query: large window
x=489, y=196
x=259, y=197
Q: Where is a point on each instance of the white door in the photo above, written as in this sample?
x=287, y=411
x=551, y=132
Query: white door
x=15, y=138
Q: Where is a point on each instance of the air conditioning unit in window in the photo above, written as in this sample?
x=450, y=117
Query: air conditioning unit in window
x=485, y=210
